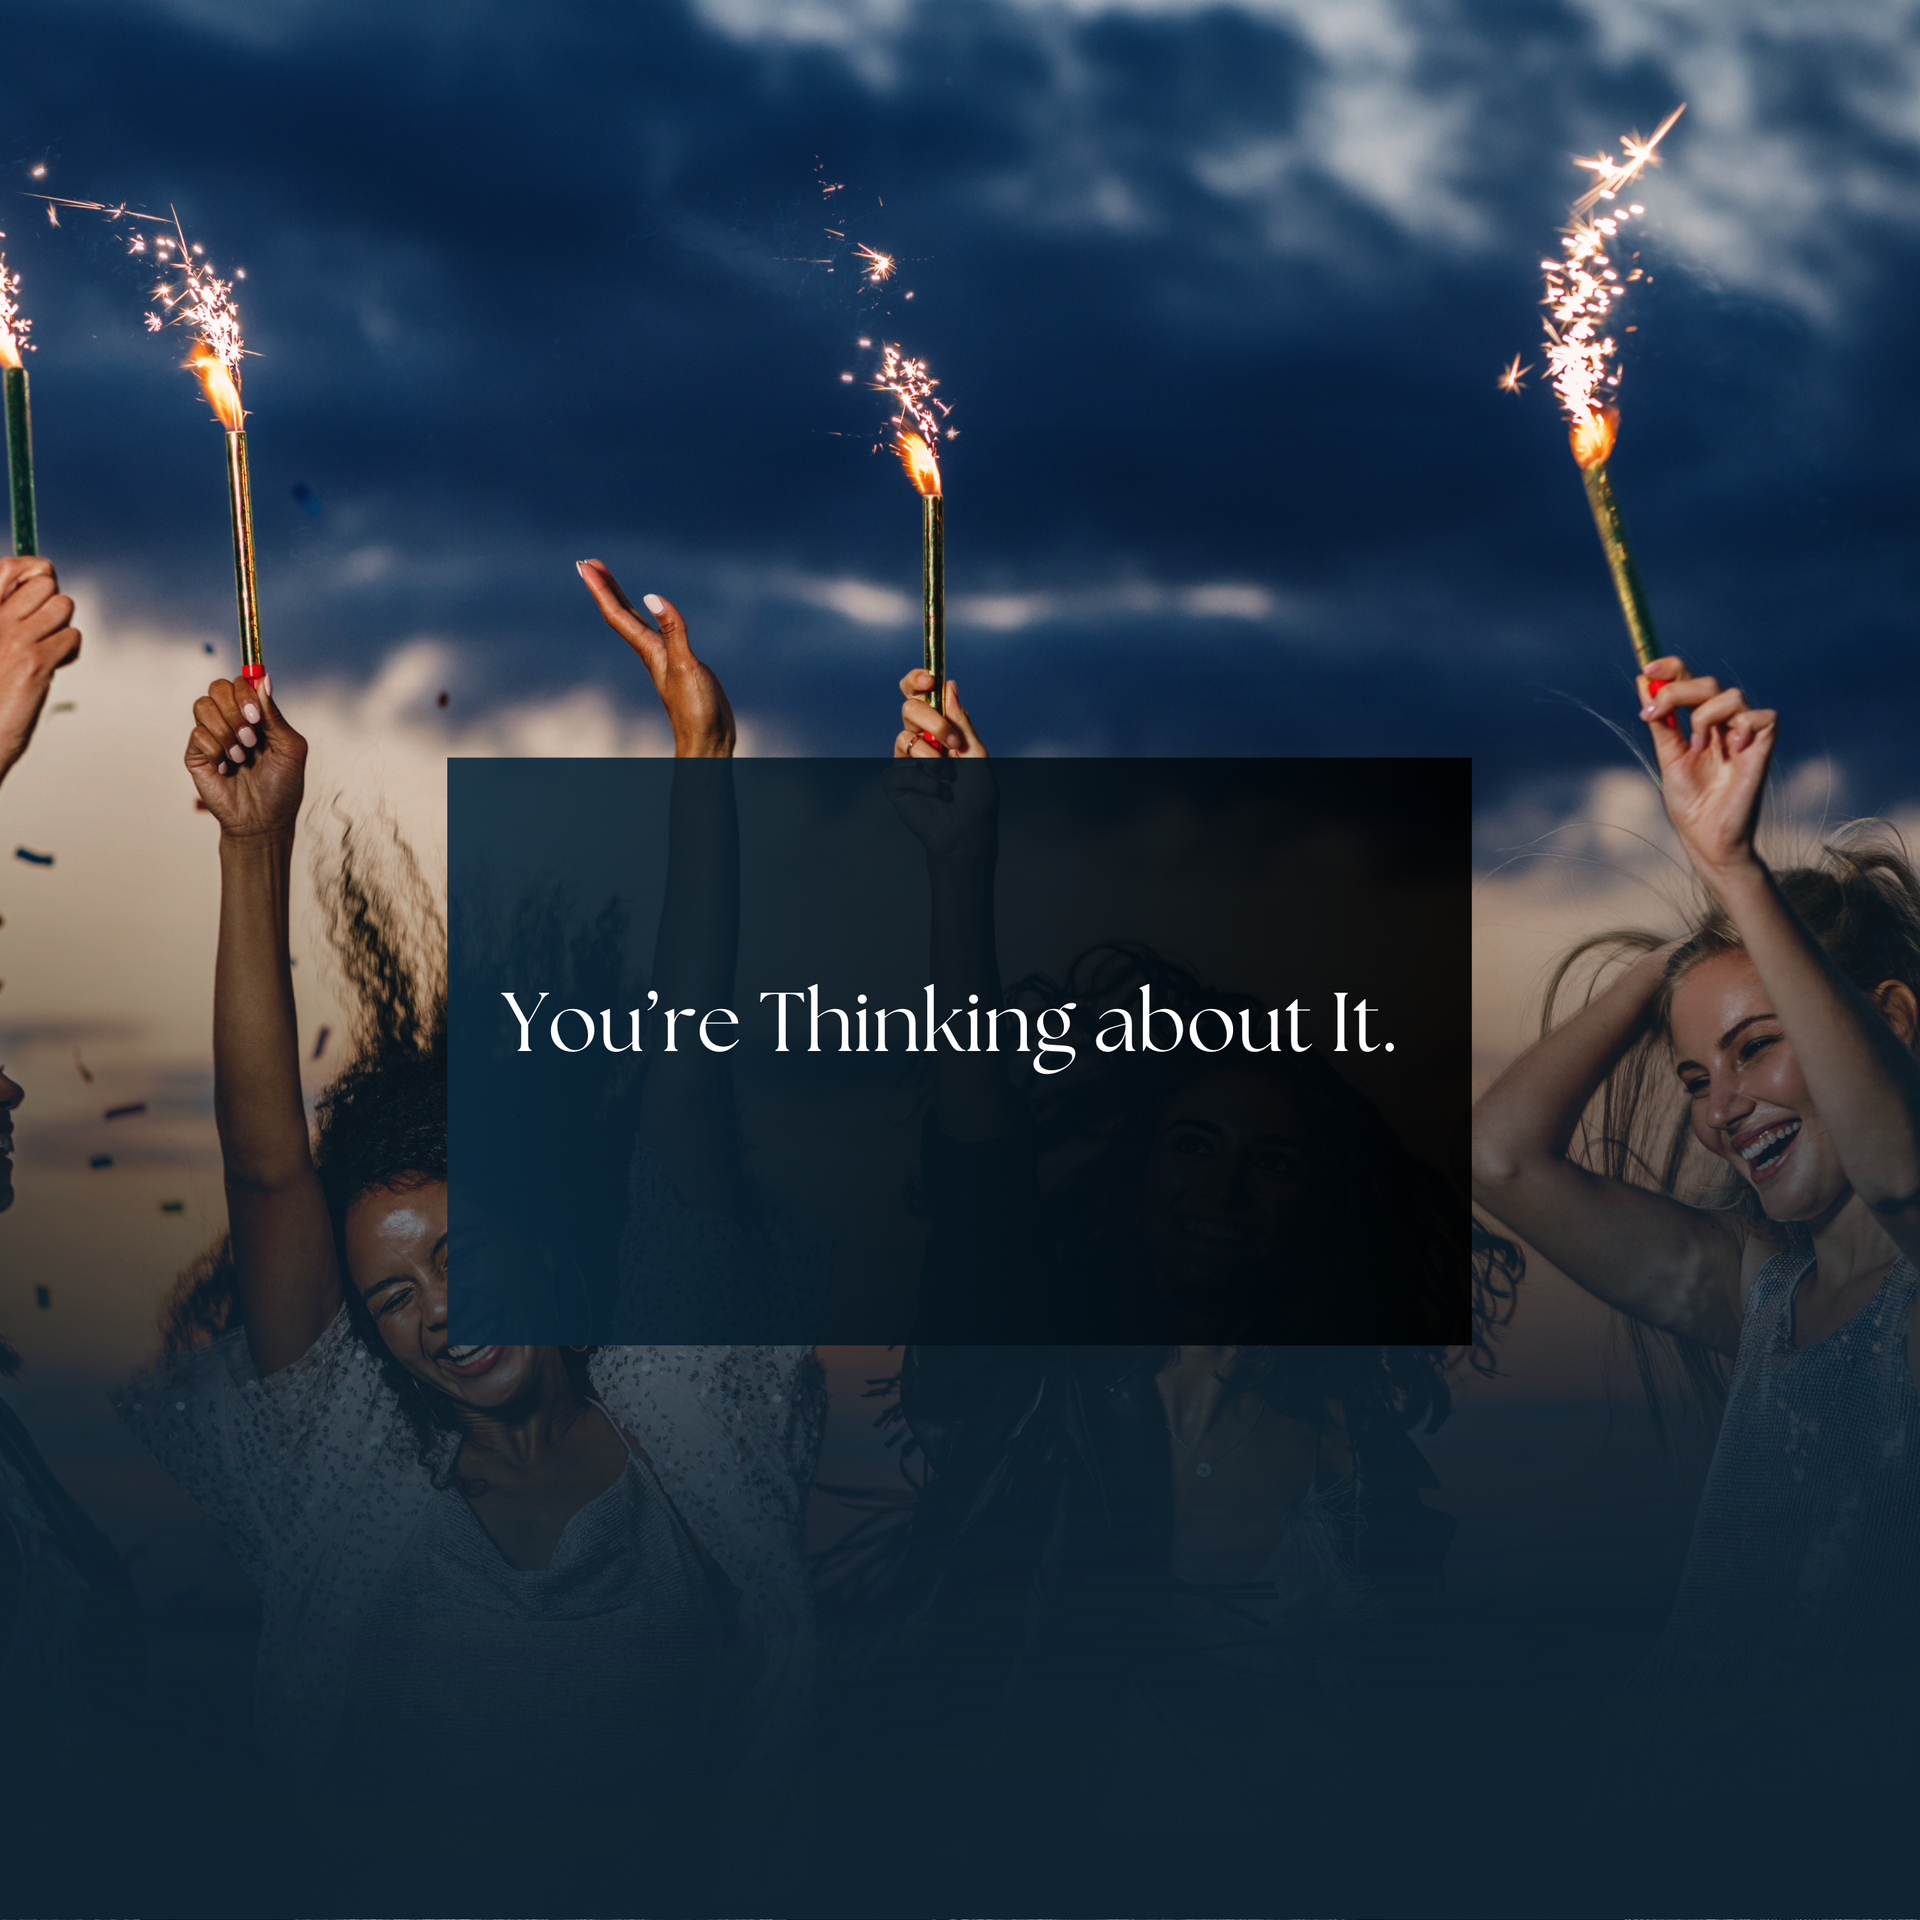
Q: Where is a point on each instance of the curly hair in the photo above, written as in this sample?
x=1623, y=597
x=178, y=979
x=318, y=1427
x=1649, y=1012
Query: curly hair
x=1860, y=899
x=381, y=1124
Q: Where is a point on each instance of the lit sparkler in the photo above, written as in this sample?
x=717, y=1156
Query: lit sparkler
x=13, y=377
x=201, y=301
x=879, y=265
x=916, y=433
x=1582, y=287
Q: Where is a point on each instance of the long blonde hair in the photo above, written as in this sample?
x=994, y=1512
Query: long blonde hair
x=1860, y=898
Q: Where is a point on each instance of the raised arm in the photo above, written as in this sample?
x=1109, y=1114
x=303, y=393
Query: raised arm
x=941, y=787
x=1853, y=1051
x=686, y=1106
x=249, y=767
x=37, y=639
x=1674, y=1266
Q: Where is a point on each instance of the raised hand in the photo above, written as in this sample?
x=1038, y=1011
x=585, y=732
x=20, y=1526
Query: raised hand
x=927, y=735
x=1713, y=779
x=689, y=689
x=248, y=765
x=37, y=639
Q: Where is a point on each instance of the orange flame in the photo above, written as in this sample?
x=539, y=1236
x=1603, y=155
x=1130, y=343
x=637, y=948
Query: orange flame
x=222, y=395
x=1592, y=437
x=8, y=358
x=917, y=457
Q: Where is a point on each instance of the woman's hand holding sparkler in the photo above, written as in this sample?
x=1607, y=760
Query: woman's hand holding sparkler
x=37, y=639
x=248, y=766
x=696, y=703
x=927, y=735
x=1713, y=778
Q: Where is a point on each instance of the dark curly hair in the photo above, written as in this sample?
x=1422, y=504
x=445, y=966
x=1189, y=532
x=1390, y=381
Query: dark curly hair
x=381, y=1125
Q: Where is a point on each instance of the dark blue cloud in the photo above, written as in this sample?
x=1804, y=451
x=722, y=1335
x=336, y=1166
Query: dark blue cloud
x=1219, y=295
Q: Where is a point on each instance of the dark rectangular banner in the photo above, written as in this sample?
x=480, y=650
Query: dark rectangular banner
x=1029, y=1050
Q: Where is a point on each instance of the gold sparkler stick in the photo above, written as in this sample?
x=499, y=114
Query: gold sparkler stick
x=1613, y=535
x=240, y=503
x=1582, y=287
x=924, y=471
x=19, y=418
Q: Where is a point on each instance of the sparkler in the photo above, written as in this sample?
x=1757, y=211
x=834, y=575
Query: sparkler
x=917, y=431
x=13, y=377
x=200, y=300
x=1581, y=289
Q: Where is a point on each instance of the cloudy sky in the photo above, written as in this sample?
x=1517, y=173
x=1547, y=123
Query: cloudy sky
x=1218, y=294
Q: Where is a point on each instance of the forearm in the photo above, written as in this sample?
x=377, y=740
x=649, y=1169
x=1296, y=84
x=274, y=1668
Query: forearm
x=256, y=1054
x=971, y=1098
x=1530, y=1113
x=1863, y=1080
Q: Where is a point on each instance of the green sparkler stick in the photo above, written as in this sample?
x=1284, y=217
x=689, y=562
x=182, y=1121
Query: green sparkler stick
x=20, y=461
x=933, y=595
x=1592, y=446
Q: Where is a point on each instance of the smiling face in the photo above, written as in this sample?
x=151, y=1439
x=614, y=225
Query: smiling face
x=1225, y=1177
x=1749, y=1102
x=11, y=1094
x=396, y=1246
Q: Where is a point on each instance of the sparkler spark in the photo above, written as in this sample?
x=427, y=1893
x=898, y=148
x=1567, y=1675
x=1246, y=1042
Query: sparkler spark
x=1581, y=288
x=918, y=417
x=1610, y=175
x=198, y=300
x=879, y=265
x=1509, y=381
x=13, y=324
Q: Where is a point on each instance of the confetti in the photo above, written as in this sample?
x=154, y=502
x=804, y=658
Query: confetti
x=43, y=1296
x=31, y=858
x=120, y=1113
x=320, y=1043
x=307, y=498
x=173, y=1206
x=101, y=1160
x=65, y=706
x=442, y=700
x=82, y=1065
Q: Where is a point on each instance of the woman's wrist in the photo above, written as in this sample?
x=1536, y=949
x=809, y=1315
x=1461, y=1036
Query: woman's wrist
x=257, y=842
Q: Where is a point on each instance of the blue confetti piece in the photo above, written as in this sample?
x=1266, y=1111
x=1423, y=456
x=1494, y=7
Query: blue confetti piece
x=31, y=858
x=307, y=497
x=101, y=1160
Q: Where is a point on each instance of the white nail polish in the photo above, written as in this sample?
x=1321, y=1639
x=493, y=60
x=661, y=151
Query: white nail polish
x=252, y=712
x=248, y=738
x=237, y=755
x=653, y=603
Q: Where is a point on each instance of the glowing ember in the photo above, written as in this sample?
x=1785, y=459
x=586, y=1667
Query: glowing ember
x=917, y=457
x=917, y=423
x=198, y=299
x=1509, y=381
x=879, y=265
x=217, y=383
x=1582, y=287
x=13, y=324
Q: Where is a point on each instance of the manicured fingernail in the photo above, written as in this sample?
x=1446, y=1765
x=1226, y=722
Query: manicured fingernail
x=266, y=685
x=253, y=713
x=1647, y=712
x=224, y=768
x=580, y=567
x=248, y=738
x=237, y=755
x=653, y=603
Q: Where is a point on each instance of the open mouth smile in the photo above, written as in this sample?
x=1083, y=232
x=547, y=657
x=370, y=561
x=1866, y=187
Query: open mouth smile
x=1766, y=1150
x=468, y=1362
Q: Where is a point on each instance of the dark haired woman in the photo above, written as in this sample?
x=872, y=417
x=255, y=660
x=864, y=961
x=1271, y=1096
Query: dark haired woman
x=520, y=1602
x=1774, y=1046
x=1151, y=1596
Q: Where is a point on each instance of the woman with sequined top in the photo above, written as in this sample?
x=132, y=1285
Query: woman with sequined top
x=560, y=1590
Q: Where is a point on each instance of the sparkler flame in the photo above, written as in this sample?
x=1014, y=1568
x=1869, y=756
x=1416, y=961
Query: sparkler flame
x=1581, y=289
x=217, y=383
x=199, y=300
x=13, y=325
x=916, y=424
x=917, y=457
x=879, y=265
